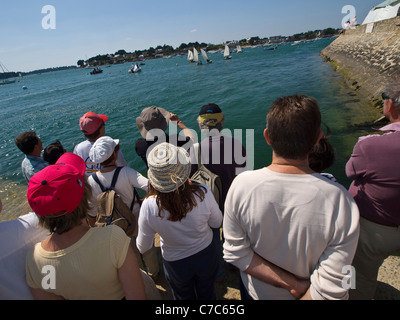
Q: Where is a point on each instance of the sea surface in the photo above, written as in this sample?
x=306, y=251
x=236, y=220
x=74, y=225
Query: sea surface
x=244, y=87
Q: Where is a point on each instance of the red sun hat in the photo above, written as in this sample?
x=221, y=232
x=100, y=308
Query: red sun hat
x=59, y=188
x=91, y=121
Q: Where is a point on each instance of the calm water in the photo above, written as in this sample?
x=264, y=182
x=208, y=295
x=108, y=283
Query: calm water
x=243, y=87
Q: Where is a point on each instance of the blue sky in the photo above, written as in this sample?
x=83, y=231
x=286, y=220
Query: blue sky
x=87, y=28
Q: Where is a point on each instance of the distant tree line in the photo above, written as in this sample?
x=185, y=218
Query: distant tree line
x=7, y=75
x=121, y=56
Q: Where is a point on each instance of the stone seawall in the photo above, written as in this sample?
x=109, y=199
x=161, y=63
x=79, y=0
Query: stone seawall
x=368, y=60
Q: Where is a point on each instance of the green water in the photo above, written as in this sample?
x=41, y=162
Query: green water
x=243, y=87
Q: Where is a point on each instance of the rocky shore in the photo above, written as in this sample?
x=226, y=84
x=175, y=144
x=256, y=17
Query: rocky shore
x=368, y=57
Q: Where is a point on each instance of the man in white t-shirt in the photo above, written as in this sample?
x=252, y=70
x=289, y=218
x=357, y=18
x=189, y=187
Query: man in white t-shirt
x=290, y=231
x=93, y=127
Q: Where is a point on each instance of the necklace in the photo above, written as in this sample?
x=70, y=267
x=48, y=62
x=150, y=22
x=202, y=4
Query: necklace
x=290, y=168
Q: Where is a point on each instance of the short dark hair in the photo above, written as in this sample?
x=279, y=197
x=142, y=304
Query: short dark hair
x=53, y=151
x=26, y=141
x=322, y=156
x=294, y=123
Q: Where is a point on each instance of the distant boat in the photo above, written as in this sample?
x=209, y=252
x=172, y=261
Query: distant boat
x=239, y=49
x=227, y=53
x=96, y=71
x=272, y=48
x=204, y=54
x=135, y=69
x=5, y=81
x=196, y=57
x=190, y=56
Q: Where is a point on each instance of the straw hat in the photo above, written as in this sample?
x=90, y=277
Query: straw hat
x=169, y=167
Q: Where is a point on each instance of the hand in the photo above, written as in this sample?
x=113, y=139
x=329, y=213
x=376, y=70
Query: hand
x=300, y=289
x=174, y=117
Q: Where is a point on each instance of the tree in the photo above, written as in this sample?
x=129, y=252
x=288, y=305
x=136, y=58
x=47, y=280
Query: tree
x=120, y=52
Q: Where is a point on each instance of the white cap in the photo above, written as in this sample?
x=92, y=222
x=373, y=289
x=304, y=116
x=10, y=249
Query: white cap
x=102, y=149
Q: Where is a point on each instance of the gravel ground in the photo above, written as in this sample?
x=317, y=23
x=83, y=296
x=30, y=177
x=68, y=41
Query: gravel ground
x=389, y=280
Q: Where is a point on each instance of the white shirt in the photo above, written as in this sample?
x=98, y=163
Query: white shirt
x=181, y=239
x=17, y=237
x=305, y=224
x=127, y=180
x=82, y=149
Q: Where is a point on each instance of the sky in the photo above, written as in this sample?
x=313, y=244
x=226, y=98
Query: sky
x=32, y=37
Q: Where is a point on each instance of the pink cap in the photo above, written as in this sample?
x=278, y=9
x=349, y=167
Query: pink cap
x=58, y=188
x=90, y=122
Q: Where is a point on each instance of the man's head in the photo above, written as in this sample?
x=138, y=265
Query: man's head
x=211, y=117
x=92, y=124
x=293, y=126
x=29, y=143
x=104, y=150
x=391, y=98
x=152, y=118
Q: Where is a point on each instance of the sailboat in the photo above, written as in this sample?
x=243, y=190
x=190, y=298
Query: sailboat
x=6, y=81
x=135, y=69
x=204, y=54
x=190, y=56
x=196, y=57
x=239, y=49
x=227, y=53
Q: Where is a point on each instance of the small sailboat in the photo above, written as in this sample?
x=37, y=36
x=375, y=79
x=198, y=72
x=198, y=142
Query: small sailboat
x=204, y=54
x=190, y=56
x=135, y=69
x=96, y=71
x=227, y=53
x=239, y=49
x=196, y=57
x=6, y=81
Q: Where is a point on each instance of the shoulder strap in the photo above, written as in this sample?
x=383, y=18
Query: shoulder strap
x=197, y=153
x=135, y=193
x=96, y=178
x=115, y=177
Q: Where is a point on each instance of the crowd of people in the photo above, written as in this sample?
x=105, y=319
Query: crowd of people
x=290, y=229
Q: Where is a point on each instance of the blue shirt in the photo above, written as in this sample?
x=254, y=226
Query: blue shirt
x=31, y=165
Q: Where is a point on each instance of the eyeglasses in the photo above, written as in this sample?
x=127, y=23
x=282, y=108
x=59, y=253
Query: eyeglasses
x=385, y=96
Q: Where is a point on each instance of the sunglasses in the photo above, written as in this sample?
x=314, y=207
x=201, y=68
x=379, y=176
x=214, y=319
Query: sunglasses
x=385, y=96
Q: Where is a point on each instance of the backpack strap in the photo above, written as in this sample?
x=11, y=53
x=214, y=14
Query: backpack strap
x=114, y=182
x=115, y=177
x=96, y=178
x=197, y=153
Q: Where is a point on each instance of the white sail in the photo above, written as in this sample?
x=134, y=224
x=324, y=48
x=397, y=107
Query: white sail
x=204, y=54
x=195, y=55
x=190, y=55
x=227, y=52
x=239, y=49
